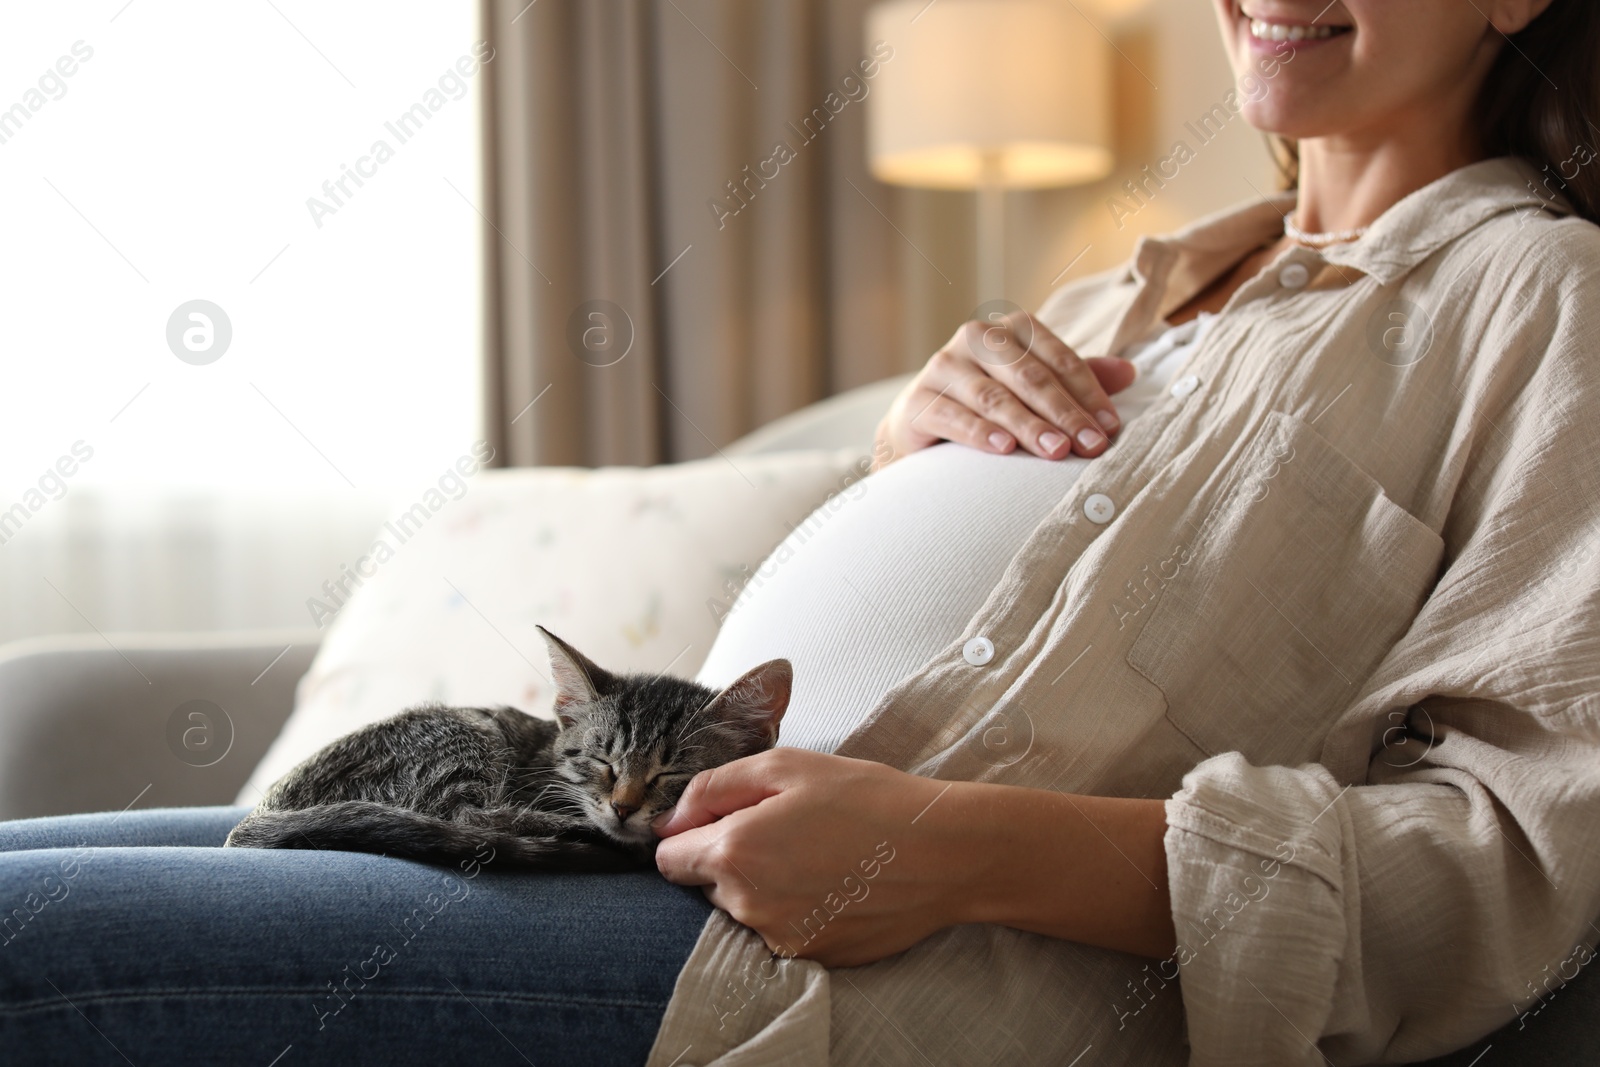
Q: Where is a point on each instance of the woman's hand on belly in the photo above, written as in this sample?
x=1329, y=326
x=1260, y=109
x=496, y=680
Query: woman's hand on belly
x=1004, y=383
x=846, y=861
x=827, y=858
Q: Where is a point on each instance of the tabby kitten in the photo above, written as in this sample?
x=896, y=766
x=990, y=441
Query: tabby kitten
x=435, y=783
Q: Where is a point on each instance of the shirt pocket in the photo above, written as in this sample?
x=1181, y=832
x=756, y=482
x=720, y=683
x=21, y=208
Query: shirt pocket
x=1301, y=578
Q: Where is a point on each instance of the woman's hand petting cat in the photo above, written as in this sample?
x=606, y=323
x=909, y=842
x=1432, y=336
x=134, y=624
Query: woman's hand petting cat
x=839, y=860
x=1003, y=383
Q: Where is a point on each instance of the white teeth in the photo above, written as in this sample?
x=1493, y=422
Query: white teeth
x=1276, y=31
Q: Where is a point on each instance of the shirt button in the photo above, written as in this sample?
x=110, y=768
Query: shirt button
x=1099, y=509
x=978, y=651
x=1184, y=386
x=1294, y=276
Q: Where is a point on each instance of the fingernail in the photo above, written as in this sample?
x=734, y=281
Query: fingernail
x=1051, y=441
x=1091, y=438
x=661, y=820
x=1106, y=419
x=1000, y=441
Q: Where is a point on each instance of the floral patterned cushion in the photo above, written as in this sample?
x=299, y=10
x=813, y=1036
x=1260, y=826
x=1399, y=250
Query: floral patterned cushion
x=634, y=566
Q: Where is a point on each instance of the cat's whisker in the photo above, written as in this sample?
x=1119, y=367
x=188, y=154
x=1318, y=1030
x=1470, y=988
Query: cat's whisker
x=560, y=788
x=701, y=710
x=698, y=731
x=574, y=799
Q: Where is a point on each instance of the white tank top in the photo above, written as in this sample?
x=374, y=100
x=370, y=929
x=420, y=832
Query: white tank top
x=861, y=596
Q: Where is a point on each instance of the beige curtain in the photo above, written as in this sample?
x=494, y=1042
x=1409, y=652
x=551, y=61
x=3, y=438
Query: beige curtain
x=654, y=289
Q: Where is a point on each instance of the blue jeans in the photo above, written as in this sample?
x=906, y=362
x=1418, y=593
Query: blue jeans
x=136, y=938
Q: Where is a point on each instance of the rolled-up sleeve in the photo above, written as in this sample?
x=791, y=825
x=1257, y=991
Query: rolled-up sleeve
x=1438, y=871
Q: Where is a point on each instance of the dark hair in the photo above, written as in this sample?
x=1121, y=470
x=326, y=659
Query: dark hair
x=1537, y=103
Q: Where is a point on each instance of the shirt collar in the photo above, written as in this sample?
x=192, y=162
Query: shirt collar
x=1176, y=266
x=1428, y=219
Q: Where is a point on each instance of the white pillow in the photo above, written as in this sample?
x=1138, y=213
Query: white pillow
x=633, y=566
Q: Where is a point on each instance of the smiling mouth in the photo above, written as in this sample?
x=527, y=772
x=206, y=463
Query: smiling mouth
x=1279, y=31
x=1271, y=30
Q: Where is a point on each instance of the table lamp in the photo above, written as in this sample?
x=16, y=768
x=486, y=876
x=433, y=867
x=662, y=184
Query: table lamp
x=989, y=95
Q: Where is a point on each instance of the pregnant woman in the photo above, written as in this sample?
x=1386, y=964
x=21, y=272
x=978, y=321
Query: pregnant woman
x=1209, y=674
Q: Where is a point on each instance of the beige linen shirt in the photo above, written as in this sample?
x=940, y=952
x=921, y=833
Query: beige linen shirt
x=1341, y=611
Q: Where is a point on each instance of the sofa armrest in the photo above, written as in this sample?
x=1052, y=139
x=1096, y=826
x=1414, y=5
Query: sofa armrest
x=91, y=723
x=848, y=420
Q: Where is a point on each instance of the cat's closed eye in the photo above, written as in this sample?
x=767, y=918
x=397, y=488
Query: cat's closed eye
x=662, y=777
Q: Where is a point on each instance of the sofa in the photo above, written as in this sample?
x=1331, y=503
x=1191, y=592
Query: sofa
x=92, y=722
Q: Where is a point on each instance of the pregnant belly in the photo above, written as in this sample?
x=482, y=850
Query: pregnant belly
x=861, y=596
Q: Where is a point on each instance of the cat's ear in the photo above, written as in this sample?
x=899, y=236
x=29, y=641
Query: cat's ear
x=578, y=679
x=756, y=700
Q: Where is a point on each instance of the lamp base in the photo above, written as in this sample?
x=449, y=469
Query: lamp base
x=991, y=233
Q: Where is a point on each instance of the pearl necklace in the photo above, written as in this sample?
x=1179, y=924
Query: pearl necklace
x=1319, y=240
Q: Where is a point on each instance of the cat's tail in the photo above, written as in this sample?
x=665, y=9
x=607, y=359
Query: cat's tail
x=363, y=826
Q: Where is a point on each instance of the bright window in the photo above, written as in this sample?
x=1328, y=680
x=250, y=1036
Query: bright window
x=155, y=153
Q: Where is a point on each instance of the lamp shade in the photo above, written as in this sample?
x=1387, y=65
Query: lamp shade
x=1014, y=93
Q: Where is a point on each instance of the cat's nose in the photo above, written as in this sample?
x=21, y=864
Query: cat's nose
x=623, y=810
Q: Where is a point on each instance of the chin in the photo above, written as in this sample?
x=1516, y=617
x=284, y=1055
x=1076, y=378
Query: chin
x=1289, y=57
x=1279, y=120
x=629, y=835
